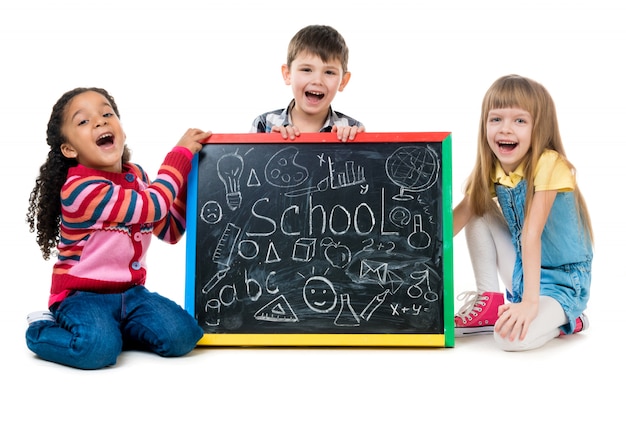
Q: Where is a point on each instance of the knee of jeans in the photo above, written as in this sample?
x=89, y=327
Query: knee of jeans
x=181, y=343
x=54, y=343
x=99, y=361
x=97, y=352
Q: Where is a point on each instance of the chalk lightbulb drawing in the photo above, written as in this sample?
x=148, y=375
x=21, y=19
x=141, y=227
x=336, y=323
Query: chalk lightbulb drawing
x=229, y=169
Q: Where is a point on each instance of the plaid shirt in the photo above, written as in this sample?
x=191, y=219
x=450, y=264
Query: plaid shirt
x=280, y=117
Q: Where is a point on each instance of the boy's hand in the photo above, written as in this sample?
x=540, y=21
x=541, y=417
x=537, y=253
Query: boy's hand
x=287, y=131
x=193, y=139
x=343, y=133
x=347, y=133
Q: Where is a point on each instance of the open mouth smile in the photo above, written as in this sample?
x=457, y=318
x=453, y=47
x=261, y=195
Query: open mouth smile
x=105, y=139
x=314, y=95
x=506, y=146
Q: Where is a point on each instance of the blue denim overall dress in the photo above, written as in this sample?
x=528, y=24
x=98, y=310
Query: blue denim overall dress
x=566, y=251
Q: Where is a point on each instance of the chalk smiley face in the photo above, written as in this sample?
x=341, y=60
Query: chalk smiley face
x=319, y=294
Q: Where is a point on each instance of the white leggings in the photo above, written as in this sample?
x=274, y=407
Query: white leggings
x=492, y=253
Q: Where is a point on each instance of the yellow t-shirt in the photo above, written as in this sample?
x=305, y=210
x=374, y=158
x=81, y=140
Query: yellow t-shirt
x=552, y=173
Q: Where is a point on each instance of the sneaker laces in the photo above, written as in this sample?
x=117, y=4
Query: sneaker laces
x=474, y=302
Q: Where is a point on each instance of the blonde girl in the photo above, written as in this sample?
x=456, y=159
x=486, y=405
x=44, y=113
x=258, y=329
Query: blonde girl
x=526, y=221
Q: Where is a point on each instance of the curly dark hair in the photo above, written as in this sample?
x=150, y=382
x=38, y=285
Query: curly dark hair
x=44, y=209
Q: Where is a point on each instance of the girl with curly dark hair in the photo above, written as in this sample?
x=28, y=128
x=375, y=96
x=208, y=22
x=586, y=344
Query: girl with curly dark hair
x=96, y=211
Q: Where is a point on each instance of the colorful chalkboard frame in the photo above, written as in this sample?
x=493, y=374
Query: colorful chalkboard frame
x=231, y=271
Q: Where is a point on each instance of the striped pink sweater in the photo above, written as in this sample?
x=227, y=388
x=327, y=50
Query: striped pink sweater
x=107, y=222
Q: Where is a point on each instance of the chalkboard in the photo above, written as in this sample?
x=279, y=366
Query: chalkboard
x=321, y=243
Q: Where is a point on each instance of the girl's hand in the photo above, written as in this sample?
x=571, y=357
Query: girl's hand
x=193, y=139
x=287, y=131
x=347, y=133
x=515, y=318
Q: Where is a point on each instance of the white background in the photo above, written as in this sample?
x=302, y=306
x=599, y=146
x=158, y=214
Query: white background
x=417, y=66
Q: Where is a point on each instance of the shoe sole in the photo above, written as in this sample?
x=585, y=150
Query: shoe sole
x=482, y=330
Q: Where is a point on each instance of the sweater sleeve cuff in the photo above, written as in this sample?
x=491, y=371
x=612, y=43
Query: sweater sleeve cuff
x=184, y=151
x=180, y=159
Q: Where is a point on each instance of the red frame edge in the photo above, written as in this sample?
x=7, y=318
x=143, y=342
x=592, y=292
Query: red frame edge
x=329, y=137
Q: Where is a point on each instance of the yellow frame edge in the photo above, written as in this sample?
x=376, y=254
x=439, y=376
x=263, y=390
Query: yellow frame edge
x=324, y=340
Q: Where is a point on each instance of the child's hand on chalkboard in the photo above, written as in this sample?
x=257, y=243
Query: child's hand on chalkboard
x=347, y=133
x=193, y=139
x=287, y=131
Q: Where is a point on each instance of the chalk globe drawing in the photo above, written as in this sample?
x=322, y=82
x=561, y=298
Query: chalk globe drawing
x=412, y=168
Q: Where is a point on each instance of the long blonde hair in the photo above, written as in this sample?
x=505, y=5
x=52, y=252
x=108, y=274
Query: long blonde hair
x=514, y=91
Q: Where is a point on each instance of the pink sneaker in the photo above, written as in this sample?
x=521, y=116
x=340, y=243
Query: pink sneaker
x=582, y=323
x=479, y=313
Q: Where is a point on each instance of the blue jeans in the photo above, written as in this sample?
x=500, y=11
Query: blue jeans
x=91, y=329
